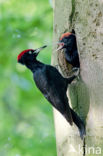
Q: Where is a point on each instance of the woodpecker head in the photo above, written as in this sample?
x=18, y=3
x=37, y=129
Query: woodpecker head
x=66, y=41
x=29, y=55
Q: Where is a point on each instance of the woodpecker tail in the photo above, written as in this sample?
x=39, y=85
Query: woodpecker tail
x=79, y=123
x=68, y=117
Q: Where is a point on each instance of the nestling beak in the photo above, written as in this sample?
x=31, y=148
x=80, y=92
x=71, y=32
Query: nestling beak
x=61, y=46
x=39, y=49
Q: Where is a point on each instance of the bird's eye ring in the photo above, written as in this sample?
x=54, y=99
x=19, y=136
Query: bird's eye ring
x=30, y=52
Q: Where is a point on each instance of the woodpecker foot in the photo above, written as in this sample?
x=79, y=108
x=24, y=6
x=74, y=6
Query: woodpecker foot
x=75, y=71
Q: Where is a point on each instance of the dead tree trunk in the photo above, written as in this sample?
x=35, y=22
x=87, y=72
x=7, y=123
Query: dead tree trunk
x=86, y=95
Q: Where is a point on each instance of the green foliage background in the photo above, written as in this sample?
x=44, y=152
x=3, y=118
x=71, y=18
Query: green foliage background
x=26, y=119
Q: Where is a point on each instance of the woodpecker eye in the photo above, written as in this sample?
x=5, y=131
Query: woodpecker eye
x=30, y=52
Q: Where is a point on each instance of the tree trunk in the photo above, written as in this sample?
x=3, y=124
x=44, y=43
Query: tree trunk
x=85, y=95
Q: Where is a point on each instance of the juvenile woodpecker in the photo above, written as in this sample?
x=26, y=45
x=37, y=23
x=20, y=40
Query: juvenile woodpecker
x=68, y=43
x=52, y=85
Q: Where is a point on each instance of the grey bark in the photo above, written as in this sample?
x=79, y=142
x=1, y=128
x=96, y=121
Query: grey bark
x=86, y=94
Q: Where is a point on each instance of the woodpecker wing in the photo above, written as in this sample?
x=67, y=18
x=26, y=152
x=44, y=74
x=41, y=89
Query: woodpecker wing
x=54, y=87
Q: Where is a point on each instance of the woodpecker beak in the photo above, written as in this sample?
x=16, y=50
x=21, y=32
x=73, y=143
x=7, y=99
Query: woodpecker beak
x=61, y=46
x=39, y=49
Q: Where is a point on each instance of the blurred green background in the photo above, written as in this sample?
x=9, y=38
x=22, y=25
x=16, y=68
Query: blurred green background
x=26, y=118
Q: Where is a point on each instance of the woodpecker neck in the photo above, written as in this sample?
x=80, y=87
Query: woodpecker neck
x=71, y=48
x=33, y=66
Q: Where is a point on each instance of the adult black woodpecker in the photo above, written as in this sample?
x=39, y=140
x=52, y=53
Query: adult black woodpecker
x=52, y=84
x=68, y=43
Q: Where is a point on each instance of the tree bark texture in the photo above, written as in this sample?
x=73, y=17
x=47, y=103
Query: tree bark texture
x=86, y=94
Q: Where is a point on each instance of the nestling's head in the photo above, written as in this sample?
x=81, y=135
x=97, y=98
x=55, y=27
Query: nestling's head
x=29, y=55
x=66, y=40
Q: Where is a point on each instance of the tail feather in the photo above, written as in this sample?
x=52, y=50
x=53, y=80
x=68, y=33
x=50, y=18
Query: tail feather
x=68, y=117
x=79, y=123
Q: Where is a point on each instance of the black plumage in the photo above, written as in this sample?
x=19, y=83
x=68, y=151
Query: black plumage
x=69, y=44
x=53, y=86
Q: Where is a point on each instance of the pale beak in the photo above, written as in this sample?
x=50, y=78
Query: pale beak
x=39, y=49
x=61, y=45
